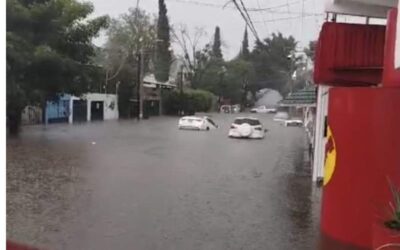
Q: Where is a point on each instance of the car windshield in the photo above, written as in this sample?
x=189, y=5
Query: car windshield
x=211, y=121
x=252, y=122
x=192, y=119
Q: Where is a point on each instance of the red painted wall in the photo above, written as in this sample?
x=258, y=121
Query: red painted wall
x=391, y=77
x=349, y=54
x=365, y=124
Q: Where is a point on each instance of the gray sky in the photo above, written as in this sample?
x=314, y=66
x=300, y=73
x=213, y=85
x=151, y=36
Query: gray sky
x=285, y=17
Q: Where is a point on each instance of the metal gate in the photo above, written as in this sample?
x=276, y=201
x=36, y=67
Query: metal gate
x=57, y=111
x=97, y=110
x=151, y=108
x=80, y=111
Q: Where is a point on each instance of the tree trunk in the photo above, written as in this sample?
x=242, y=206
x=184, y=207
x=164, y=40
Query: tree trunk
x=14, y=120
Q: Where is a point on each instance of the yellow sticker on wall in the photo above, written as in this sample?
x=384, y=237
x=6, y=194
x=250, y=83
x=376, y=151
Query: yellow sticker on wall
x=330, y=157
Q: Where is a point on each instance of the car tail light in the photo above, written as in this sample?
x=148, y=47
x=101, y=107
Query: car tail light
x=258, y=128
x=233, y=126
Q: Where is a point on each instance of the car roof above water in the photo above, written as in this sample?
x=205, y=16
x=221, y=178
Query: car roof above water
x=246, y=117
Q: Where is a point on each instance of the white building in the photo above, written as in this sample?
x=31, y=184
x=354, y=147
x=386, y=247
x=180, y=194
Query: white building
x=92, y=107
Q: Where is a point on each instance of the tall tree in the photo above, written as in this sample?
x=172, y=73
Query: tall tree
x=195, y=60
x=163, y=52
x=127, y=34
x=310, y=50
x=244, y=51
x=49, y=52
x=216, y=46
x=273, y=67
x=240, y=79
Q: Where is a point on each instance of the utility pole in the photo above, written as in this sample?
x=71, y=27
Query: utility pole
x=181, y=111
x=181, y=80
x=292, y=58
x=139, y=58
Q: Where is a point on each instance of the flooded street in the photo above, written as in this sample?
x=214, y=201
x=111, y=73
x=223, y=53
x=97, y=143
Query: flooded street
x=147, y=185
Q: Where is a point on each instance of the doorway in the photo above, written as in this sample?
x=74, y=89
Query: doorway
x=97, y=110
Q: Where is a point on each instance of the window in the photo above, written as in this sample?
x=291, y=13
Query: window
x=252, y=122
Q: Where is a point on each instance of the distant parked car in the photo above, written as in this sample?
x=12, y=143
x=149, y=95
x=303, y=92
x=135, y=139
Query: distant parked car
x=225, y=109
x=281, y=116
x=247, y=127
x=293, y=123
x=196, y=123
x=235, y=108
x=263, y=109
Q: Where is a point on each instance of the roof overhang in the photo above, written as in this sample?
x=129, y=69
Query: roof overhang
x=298, y=105
x=369, y=8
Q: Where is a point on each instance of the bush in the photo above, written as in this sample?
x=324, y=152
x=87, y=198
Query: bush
x=190, y=101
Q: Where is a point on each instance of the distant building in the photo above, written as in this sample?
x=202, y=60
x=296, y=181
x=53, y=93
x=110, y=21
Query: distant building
x=179, y=73
x=31, y=115
x=58, y=110
x=152, y=95
x=88, y=107
x=303, y=103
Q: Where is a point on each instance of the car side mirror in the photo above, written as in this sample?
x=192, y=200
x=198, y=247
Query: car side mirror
x=265, y=130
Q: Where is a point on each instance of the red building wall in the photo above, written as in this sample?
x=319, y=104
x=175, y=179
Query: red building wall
x=391, y=77
x=365, y=125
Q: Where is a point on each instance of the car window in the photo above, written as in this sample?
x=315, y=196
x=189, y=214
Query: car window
x=252, y=122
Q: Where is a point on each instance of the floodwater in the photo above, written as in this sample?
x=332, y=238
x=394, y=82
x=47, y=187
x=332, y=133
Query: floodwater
x=147, y=185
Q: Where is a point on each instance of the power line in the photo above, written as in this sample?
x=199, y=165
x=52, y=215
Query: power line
x=202, y=4
x=224, y=6
x=282, y=19
x=265, y=24
x=290, y=12
x=273, y=7
x=252, y=29
x=249, y=18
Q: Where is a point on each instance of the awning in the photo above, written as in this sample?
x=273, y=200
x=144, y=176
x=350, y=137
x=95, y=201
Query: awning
x=349, y=54
x=306, y=97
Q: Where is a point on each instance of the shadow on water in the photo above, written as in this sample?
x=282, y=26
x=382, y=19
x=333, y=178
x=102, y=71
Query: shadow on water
x=304, y=207
x=302, y=200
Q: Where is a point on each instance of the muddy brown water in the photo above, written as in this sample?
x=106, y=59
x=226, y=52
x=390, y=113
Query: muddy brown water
x=148, y=185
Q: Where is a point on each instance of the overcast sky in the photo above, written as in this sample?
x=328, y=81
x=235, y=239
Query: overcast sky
x=283, y=16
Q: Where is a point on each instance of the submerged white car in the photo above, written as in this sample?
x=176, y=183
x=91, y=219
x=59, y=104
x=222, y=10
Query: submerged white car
x=196, y=123
x=263, y=109
x=281, y=116
x=293, y=123
x=247, y=127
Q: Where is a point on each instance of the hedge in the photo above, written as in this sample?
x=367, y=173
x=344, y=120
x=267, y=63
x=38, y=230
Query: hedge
x=190, y=101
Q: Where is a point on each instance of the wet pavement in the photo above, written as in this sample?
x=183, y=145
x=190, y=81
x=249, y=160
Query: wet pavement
x=147, y=185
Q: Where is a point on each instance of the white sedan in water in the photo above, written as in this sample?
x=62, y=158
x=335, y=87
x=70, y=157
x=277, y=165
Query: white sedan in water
x=263, y=109
x=197, y=123
x=247, y=127
x=293, y=123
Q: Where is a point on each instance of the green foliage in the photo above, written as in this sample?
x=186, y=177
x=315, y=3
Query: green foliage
x=125, y=94
x=189, y=101
x=127, y=34
x=310, y=50
x=131, y=32
x=163, y=53
x=394, y=222
x=49, y=50
x=239, y=81
x=270, y=59
x=244, y=51
x=216, y=47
